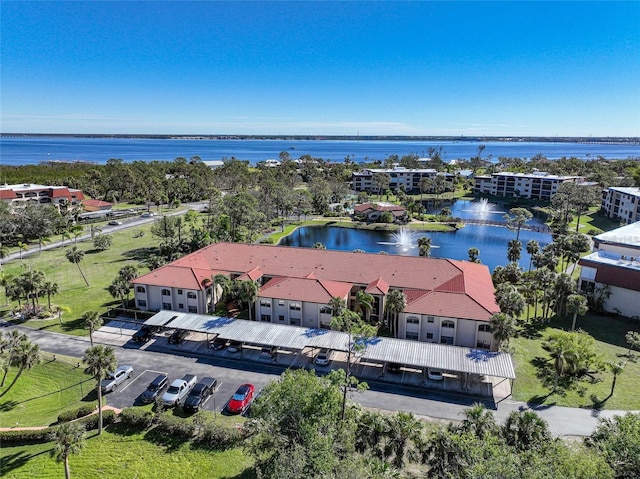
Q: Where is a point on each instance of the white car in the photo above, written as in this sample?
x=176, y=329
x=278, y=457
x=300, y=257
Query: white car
x=323, y=357
x=434, y=374
x=114, y=379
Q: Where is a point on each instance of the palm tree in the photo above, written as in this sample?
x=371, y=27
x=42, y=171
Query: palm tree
x=533, y=248
x=69, y=439
x=424, y=246
x=42, y=240
x=5, y=281
x=31, y=282
x=474, y=254
x=395, y=303
x=371, y=429
x=318, y=246
x=525, y=430
x=76, y=230
x=224, y=283
x=50, y=289
x=92, y=322
x=516, y=219
x=22, y=247
x=514, y=251
x=616, y=367
x=26, y=355
x=563, y=287
x=99, y=360
x=576, y=305
x=75, y=255
x=338, y=306
x=503, y=327
x=247, y=292
x=403, y=431
x=563, y=357
x=128, y=273
x=59, y=309
x=442, y=452
x=4, y=252
x=120, y=289
x=12, y=343
x=363, y=304
x=479, y=421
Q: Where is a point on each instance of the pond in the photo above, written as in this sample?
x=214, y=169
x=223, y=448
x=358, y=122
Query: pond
x=492, y=242
x=480, y=209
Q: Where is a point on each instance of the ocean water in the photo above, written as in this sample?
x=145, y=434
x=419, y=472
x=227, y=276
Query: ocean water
x=33, y=150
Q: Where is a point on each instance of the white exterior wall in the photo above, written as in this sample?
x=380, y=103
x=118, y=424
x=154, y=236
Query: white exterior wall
x=622, y=301
x=465, y=332
x=621, y=205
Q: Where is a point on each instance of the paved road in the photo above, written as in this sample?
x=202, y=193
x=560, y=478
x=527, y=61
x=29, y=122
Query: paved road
x=149, y=360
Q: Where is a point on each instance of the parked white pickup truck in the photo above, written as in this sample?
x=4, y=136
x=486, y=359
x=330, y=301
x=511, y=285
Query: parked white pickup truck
x=179, y=390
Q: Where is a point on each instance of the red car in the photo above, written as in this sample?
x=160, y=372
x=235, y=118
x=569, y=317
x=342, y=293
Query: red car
x=240, y=401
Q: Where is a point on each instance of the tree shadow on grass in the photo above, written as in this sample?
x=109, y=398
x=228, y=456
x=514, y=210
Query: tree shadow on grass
x=139, y=254
x=248, y=473
x=16, y=461
x=533, y=329
x=73, y=325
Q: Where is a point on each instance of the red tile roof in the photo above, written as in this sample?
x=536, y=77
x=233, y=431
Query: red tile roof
x=96, y=203
x=470, y=282
x=379, y=286
x=7, y=194
x=59, y=192
x=302, y=289
x=621, y=277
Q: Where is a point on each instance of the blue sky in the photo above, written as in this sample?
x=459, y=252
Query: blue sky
x=368, y=68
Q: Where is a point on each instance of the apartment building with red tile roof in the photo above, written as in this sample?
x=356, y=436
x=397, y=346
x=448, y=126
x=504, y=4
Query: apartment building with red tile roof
x=25, y=194
x=448, y=301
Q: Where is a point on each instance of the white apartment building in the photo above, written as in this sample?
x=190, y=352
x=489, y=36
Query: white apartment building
x=621, y=203
x=25, y=194
x=407, y=178
x=613, y=269
x=538, y=185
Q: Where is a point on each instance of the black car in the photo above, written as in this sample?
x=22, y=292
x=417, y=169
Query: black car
x=218, y=344
x=178, y=336
x=155, y=389
x=143, y=335
x=200, y=394
x=394, y=368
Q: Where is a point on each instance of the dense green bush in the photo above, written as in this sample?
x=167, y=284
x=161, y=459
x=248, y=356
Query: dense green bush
x=76, y=413
x=267, y=240
x=91, y=422
x=217, y=437
x=175, y=427
x=137, y=418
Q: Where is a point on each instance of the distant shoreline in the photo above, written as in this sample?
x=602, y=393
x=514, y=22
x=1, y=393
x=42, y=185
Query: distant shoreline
x=470, y=139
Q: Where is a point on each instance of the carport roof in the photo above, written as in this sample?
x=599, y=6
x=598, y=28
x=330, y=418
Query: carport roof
x=404, y=351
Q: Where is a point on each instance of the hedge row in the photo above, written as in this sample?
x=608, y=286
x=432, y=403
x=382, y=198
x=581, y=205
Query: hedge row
x=76, y=413
x=29, y=436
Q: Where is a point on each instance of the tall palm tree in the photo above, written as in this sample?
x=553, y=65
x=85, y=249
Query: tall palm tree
x=371, y=429
x=99, y=360
x=363, y=304
x=120, y=289
x=338, y=306
x=514, y=251
x=128, y=273
x=247, y=292
x=442, y=452
x=5, y=281
x=41, y=241
x=563, y=287
x=69, y=439
x=533, y=248
x=222, y=282
x=424, y=246
x=22, y=247
x=616, y=368
x=12, y=343
x=50, y=289
x=31, y=281
x=74, y=255
x=503, y=327
x=26, y=356
x=526, y=430
x=563, y=359
x=395, y=303
x=576, y=305
x=92, y=322
x=403, y=431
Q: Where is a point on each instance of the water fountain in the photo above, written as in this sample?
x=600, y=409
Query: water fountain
x=484, y=208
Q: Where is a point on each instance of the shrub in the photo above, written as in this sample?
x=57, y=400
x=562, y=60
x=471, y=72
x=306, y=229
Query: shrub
x=175, y=427
x=267, y=240
x=27, y=436
x=137, y=418
x=76, y=413
x=91, y=422
x=214, y=436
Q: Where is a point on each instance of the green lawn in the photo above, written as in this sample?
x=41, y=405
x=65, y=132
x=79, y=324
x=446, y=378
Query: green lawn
x=100, y=268
x=530, y=360
x=121, y=455
x=44, y=391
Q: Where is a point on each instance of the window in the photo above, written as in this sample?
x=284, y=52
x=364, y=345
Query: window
x=142, y=303
x=281, y=318
x=179, y=291
x=413, y=336
x=295, y=306
x=265, y=317
x=295, y=321
x=430, y=319
x=180, y=306
x=193, y=309
x=446, y=339
x=326, y=310
x=429, y=335
x=413, y=320
x=448, y=324
x=140, y=289
x=166, y=292
x=325, y=325
x=483, y=345
x=191, y=295
x=281, y=302
x=166, y=305
x=484, y=328
x=265, y=303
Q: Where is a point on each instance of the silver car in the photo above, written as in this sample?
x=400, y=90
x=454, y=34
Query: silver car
x=114, y=379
